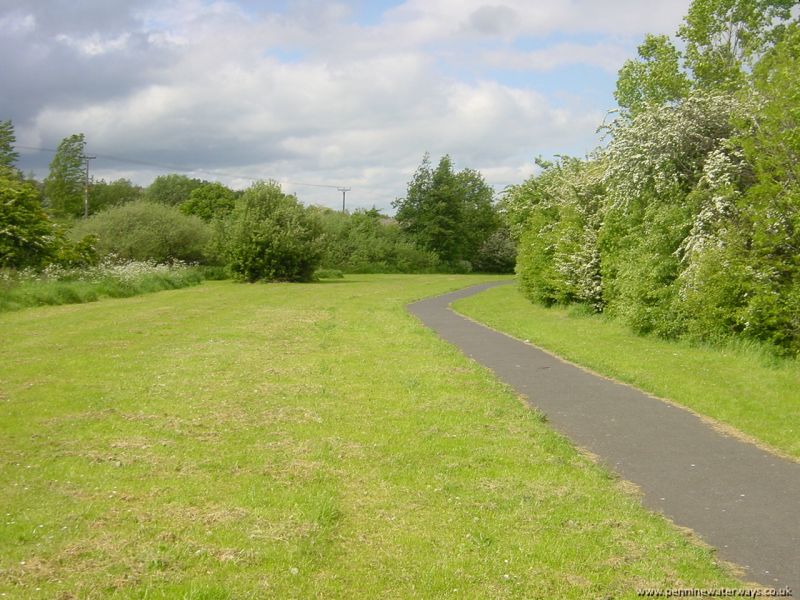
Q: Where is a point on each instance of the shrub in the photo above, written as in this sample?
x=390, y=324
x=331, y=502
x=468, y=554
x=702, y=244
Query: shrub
x=498, y=254
x=147, y=231
x=271, y=237
x=558, y=260
x=328, y=274
x=369, y=242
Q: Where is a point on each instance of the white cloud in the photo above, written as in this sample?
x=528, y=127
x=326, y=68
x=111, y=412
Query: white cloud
x=95, y=44
x=312, y=96
x=607, y=56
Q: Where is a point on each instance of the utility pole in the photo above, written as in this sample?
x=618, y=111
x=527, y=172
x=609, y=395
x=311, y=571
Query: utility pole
x=86, y=159
x=344, y=191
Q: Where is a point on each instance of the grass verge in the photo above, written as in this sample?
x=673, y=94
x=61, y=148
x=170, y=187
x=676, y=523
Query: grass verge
x=742, y=387
x=297, y=440
x=16, y=295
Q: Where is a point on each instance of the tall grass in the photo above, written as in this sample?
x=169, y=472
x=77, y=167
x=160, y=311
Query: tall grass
x=111, y=278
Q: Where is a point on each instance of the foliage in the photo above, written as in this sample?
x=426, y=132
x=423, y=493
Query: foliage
x=446, y=212
x=694, y=226
x=146, y=231
x=498, y=254
x=368, y=242
x=661, y=151
x=77, y=253
x=210, y=201
x=654, y=79
x=271, y=236
x=172, y=189
x=724, y=37
x=558, y=258
x=64, y=185
x=104, y=195
x=27, y=237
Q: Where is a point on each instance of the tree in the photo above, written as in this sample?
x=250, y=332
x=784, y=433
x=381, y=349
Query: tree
x=272, y=237
x=209, y=201
x=64, y=185
x=8, y=156
x=724, y=37
x=104, y=195
x=447, y=213
x=479, y=219
x=27, y=237
x=654, y=78
x=172, y=189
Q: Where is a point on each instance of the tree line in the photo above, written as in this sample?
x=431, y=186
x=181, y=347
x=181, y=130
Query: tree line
x=448, y=222
x=687, y=223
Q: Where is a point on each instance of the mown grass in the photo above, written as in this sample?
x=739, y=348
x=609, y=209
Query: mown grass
x=740, y=386
x=285, y=440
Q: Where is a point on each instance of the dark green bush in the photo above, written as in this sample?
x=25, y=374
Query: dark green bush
x=498, y=254
x=271, y=237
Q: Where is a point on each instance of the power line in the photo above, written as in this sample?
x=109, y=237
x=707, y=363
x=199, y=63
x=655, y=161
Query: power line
x=184, y=169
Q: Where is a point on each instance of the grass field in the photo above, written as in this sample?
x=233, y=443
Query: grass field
x=742, y=387
x=285, y=440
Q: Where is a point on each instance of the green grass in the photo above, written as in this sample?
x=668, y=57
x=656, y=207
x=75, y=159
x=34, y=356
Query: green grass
x=286, y=440
x=742, y=387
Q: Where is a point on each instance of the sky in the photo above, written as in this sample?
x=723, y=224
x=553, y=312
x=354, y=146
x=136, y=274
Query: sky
x=316, y=95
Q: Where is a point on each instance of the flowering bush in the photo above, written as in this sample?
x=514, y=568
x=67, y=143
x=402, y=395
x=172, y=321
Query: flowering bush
x=111, y=267
x=56, y=284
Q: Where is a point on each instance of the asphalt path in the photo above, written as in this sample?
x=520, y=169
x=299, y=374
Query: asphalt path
x=735, y=496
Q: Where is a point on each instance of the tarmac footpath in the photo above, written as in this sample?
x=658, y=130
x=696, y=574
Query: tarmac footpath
x=735, y=496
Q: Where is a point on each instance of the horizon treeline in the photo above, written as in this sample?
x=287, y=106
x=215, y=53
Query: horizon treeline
x=260, y=233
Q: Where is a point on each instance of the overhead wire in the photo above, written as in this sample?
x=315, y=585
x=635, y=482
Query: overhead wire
x=183, y=169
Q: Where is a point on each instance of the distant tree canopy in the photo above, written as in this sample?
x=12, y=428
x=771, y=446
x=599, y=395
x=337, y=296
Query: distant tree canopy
x=209, y=201
x=446, y=212
x=104, y=195
x=172, y=189
x=368, y=242
x=688, y=223
x=447, y=223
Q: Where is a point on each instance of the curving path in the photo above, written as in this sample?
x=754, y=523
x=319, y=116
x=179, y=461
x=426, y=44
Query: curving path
x=735, y=496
